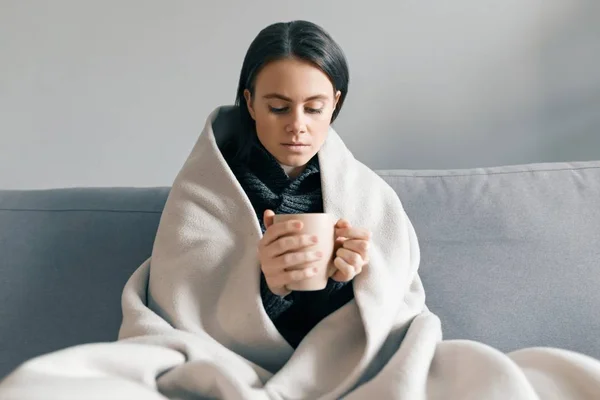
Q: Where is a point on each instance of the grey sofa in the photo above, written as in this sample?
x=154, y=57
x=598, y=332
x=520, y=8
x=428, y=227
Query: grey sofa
x=510, y=257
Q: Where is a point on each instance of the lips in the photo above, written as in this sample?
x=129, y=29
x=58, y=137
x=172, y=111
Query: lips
x=298, y=148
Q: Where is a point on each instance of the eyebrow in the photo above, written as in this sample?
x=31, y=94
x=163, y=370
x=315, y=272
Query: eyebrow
x=284, y=98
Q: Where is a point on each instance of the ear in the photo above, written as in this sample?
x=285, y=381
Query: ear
x=248, y=97
x=336, y=98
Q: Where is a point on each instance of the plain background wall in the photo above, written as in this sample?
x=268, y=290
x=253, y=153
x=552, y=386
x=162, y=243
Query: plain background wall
x=114, y=93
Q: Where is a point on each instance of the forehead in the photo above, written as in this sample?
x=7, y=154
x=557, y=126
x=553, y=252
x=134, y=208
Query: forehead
x=295, y=79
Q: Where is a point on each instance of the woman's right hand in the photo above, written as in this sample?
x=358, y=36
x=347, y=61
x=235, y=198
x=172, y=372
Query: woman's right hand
x=282, y=247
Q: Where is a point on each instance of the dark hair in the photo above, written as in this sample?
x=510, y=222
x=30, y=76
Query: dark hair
x=296, y=39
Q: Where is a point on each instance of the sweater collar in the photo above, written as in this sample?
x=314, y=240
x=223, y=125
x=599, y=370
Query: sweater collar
x=268, y=170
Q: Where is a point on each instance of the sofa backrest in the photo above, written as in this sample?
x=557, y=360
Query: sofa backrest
x=66, y=255
x=510, y=256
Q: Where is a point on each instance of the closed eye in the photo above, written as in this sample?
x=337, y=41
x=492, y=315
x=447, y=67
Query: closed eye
x=280, y=110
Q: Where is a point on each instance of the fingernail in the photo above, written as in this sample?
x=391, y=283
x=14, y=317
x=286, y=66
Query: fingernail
x=315, y=270
x=297, y=224
x=314, y=239
x=318, y=254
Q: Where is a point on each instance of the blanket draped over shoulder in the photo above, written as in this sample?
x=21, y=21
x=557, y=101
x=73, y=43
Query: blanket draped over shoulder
x=194, y=325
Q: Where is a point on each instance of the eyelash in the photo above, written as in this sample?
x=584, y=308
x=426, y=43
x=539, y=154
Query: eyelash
x=284, y=109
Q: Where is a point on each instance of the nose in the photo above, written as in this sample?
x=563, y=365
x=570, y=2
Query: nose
x=297, y=123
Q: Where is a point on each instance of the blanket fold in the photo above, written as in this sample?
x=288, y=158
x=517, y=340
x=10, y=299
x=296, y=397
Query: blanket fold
x=194, y=325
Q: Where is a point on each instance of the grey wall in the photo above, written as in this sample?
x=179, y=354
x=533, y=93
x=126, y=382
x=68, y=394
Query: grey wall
x=114, y=93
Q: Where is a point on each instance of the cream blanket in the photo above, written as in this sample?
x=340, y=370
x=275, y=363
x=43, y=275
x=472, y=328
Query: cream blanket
x=194, y=325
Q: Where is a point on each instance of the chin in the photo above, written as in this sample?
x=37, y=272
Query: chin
x=294, y=161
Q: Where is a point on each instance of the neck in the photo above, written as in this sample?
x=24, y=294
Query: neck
x=293, y=172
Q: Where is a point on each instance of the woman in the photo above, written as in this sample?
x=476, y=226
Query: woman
x=292, y=87
x=206, y=317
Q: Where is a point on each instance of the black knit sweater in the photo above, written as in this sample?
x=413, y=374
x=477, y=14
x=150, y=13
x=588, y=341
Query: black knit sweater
x=268, y=187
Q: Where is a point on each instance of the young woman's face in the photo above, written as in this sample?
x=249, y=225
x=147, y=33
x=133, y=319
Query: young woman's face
x=292, y=105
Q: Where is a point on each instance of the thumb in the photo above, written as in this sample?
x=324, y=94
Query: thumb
x=268, y=218
x=342, y=223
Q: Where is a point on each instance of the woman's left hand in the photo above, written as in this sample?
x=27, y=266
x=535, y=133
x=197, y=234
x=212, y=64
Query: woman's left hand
x=352, y=251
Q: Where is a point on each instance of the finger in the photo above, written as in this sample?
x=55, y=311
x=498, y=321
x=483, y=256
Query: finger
x=358, y=246
x=345, y=271
x=342, y=223
x=289, y=243
x=296, y=260
x=286, y=277
x=353, y=233
x=339, y=242
x=280, y=229
x=268, y=218
x=350, y=257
